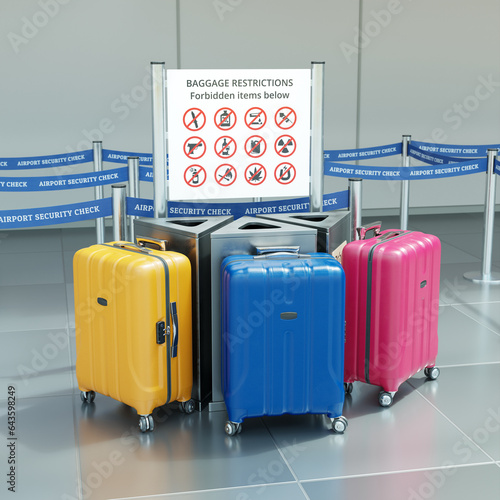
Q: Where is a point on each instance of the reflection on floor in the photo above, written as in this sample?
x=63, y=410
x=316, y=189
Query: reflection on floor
x=440, y=439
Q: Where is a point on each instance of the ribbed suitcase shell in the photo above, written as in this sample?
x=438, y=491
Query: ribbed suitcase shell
x=117, y=351
x=392, y=282
x=274, y=363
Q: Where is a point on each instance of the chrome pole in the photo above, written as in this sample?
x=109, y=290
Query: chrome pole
x=119, y=200
x=355, y=206
x=317, y=136
x=486, y=275
x=159, y=139
x=405, y=185
x=98, y=190
x=133, y=185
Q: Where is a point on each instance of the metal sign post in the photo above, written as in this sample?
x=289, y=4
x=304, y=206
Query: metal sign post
x=159, y=139
x=119, y=193
x=317, y=136
x=133, y=184
x=405, y=185
x=486, y=275
x=98, y=190
x=355, y=191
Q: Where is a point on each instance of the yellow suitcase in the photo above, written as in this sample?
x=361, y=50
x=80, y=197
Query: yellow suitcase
x=133, y=326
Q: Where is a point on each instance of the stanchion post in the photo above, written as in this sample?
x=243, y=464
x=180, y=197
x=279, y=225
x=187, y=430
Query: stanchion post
x=317, y=136
x=133, y=189
x=119, y=201
x=98, y=190
x=405, y=185
x=355, y=207
x=159, y=139
x=486, y=275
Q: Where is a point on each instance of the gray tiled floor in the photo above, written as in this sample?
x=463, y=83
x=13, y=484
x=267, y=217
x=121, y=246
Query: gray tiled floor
x=439, y=439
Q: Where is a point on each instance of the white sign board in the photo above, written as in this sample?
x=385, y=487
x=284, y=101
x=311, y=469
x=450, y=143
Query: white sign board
x=238, y=133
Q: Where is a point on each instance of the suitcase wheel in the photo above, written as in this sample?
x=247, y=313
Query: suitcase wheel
x=232, y=428
x=339, y=424
x=385, y=398
x=87, y=396
x=146, y=423
x=348, y=387
x=432, y=373
x=187, y=406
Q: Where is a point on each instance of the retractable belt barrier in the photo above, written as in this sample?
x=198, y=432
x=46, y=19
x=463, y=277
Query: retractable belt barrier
x=72, y=181
x=46, y=161
x=443, y=161
x=33, y=217
x=406, y=173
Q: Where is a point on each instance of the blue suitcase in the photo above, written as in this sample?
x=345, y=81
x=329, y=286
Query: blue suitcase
x=282, y=336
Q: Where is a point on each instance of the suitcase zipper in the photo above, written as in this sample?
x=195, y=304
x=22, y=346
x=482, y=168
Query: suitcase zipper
x=167, y=310
x=369, y=302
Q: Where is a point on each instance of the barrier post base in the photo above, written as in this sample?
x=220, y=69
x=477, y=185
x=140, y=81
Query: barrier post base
x=479, y=277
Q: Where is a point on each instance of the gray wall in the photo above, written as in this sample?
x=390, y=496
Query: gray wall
x=77, y=72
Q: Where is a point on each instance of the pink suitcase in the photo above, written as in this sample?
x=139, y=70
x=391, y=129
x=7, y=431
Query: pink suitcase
x=392, y=306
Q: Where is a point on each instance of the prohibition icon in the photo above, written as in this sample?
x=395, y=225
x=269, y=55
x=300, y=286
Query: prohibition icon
x=255, y=174
x=285, y=145
x=195, y=175
x=255, y=146
x=285, y=173
x=195, y=148
x=255, y=118
x=225, y=119
x=225, y=147
x=194, y=119
x=225, y=174
x=285, y=118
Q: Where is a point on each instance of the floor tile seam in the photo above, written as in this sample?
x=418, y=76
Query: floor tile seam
x=469, y=303
x=34, y=252
x=461, y=249
x=485, y=363
x=17, y=332
x=475, y=320
x=456, y=426
x=41, y=330
x=292, y=472
x=402, y=471
x=31, y=286
x=70, y=360
x=68, y=318
x=473, y=303
x=78, y=458
x=211, y=490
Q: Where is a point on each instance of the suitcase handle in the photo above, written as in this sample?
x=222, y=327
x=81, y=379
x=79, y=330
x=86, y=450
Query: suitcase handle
x=143, y=242
x=175, y=328
x=132, y=246
x=373, y=226
x=280, y=255
x=276, y=249
x=391, y=233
